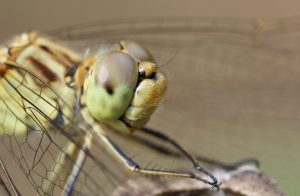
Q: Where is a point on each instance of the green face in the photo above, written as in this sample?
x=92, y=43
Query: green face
x=110, y=86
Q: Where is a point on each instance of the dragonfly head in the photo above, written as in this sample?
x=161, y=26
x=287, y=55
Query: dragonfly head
x=124, y=85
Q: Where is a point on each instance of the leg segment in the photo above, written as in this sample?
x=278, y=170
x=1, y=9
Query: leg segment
x=168, y=151
x=133, y=166
x=68, y=167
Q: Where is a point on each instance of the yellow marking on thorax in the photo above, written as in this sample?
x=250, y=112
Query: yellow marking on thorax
x=47, y=60
x=44, y=57
x=37, y=60
x=64, y=54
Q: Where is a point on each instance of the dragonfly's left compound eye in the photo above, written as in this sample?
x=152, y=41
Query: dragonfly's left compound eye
x=111, y=85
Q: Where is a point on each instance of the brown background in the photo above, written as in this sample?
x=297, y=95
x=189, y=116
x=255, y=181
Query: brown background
x=229, y=124
x=33, y=14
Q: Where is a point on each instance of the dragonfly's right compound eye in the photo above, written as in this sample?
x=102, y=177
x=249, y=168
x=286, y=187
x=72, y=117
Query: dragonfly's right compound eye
x=110, y=86
x=138, y=52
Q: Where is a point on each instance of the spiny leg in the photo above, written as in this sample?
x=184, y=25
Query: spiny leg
x=196, y=165
x=229, y=166
x=135, y=167
x=165, y=150
x=68, y=164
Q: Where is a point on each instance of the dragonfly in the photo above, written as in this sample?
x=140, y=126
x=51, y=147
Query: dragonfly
x=63, y=114
x=46, y=86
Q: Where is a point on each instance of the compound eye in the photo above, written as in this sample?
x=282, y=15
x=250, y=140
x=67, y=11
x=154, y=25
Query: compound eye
x=116, y=69
x=136, y=50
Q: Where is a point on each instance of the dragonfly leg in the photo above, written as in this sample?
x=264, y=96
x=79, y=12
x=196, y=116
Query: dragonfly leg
x=67, y=168
x=133, y=166
x=168, y=151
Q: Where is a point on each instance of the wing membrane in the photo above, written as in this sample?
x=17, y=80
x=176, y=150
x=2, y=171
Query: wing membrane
x=37, y=132
x=7, y=186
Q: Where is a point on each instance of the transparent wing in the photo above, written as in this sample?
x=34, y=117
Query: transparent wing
x=40, y=144
x=7, y=187
x=189, y=32
x=221, y=84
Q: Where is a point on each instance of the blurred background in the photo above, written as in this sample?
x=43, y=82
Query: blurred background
x=234, y=81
